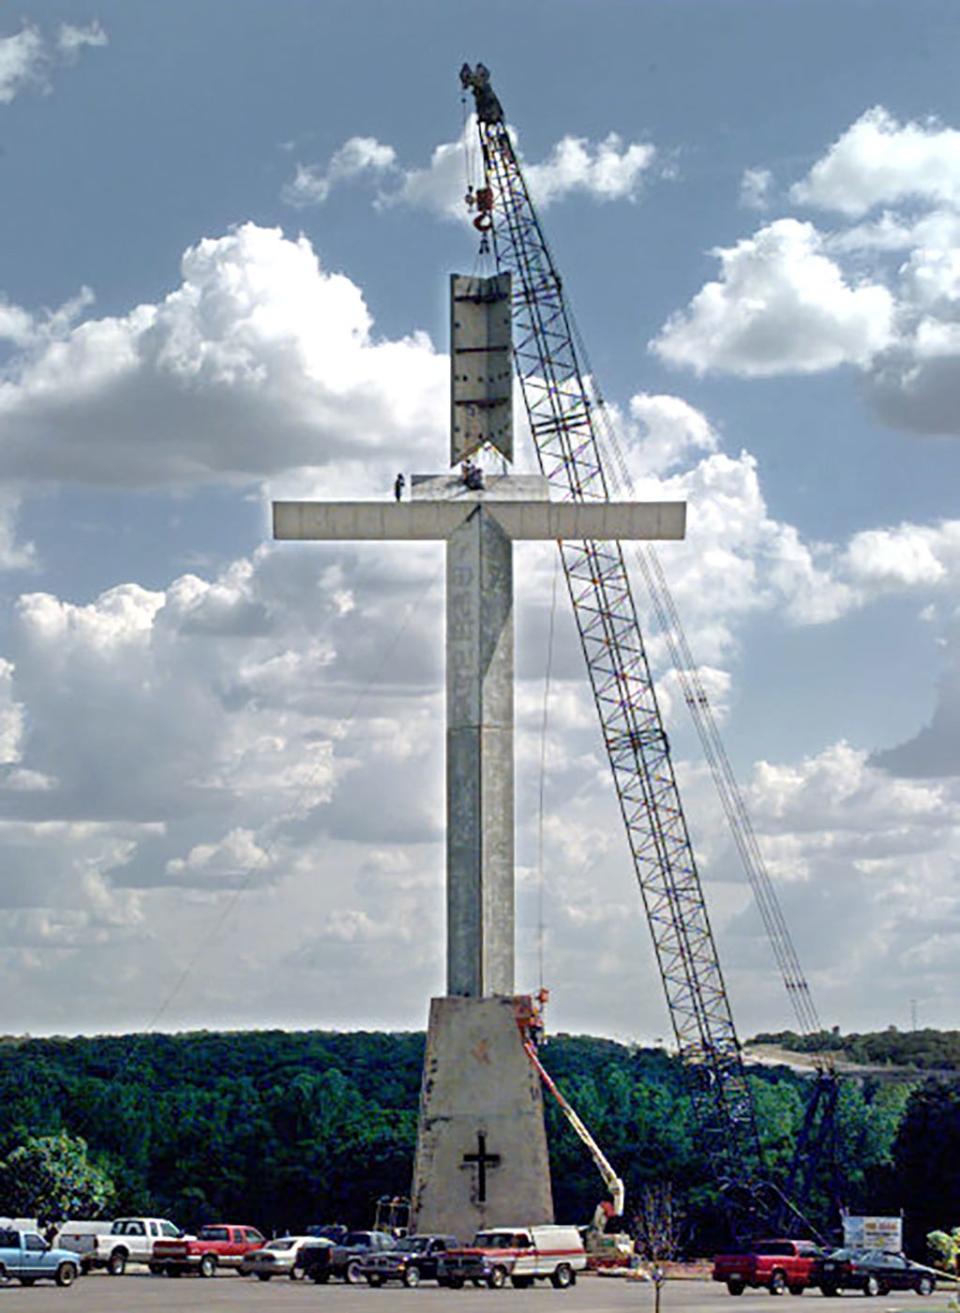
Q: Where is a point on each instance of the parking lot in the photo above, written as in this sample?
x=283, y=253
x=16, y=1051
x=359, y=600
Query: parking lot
x=130, y=1294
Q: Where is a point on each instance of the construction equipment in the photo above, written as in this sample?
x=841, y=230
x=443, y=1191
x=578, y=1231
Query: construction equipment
x=600, y=1242
x=392, y=1214
x=610, y=1179
x=565, y=413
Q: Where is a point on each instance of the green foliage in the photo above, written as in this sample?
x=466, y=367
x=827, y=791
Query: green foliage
x=282, y=1129
x=925, y=1157
x=52, y=1177
x=945, y=1248
x=922, y=1050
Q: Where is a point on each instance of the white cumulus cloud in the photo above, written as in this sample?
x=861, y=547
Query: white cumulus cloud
x=71, y=39
x=908, y=556
x=259, y=361
x=22, y=62
x=358, y=156
x=28, y=56
x=607, y=171
x=781, y=305
x=755, y=189
x=880, y=292
x=880, y=161
x=232, y=862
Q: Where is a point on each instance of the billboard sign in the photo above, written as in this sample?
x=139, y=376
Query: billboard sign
x=873, y=1233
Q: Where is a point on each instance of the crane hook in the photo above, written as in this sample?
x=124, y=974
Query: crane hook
x=483, y=198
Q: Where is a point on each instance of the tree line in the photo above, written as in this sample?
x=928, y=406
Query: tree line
x=284, y=1129
x=925, y=1050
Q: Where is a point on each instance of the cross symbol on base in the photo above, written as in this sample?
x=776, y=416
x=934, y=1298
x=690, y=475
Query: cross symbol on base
x=481, y=1160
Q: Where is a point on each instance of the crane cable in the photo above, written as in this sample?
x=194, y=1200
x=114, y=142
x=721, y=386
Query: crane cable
x=698, y=704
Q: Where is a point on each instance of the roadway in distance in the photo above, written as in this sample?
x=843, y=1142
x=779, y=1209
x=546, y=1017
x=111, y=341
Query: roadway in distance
x=131, y=1294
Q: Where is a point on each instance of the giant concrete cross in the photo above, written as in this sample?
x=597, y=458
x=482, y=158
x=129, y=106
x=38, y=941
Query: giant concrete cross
x=479, y=526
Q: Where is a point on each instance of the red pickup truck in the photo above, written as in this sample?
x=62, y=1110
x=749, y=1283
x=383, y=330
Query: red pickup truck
x=218, y=1245
x=778, y=1265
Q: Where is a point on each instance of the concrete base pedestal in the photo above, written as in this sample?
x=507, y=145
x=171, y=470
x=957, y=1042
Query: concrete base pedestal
x=481, y=1144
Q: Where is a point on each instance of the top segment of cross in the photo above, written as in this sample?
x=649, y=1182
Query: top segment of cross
x=481, y=368
x=479, y=519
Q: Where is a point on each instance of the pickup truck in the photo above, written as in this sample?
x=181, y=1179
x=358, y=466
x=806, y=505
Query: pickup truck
x=411, y=1260
x=27, y=1257
x=127, y=1240
x=320, y=1262
x=523, y=1253
x=777, y=1265
x=218, y=1245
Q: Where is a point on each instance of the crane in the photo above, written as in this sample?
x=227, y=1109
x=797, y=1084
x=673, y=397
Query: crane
x=565, y=410
x=610, y=1178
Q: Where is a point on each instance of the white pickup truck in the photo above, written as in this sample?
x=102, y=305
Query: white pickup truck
x=523, y=1254
x=115, y=1244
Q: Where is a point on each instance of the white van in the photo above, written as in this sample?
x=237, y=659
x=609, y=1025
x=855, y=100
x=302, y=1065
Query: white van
x=523, y=1253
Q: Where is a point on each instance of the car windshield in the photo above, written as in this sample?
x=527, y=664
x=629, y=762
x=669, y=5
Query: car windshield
x=411, y=1244
x=357, y=1238
x=281, y=1244
x=494, y=1240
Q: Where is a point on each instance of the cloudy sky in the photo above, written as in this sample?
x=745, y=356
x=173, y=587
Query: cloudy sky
x=225, y=236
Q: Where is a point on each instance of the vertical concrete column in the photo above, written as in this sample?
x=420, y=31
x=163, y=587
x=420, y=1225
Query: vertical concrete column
x=480, y=876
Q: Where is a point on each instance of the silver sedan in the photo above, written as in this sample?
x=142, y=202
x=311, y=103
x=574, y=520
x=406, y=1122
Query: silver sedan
x=276, y=1258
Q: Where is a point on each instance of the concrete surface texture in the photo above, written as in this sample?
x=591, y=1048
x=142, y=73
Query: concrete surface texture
x=480, y=830
x=481, y=365
x=437, y=519
x=479, y=527
x=103, y=1294
x=482, y=1148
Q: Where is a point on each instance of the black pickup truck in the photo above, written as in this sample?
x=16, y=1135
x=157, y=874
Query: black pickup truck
x=411, y=1260
x=321, y=1262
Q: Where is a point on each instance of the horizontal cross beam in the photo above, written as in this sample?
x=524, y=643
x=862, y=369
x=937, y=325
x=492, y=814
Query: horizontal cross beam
x=529, y=520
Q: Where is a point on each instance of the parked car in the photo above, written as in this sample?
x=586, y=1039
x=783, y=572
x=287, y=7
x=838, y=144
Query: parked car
x=26, y=1256
x=778, y=1265
x=220, y=1245
x=116, y=1244
x=523, y=1254
x=320, y=1263
x=412, y=1259
x=874, y=1272
x=313, y=1259
x=277, y=1258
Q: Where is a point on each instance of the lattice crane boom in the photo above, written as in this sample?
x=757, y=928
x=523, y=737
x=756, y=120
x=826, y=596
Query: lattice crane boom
x=571, y=431
x=561, y=402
